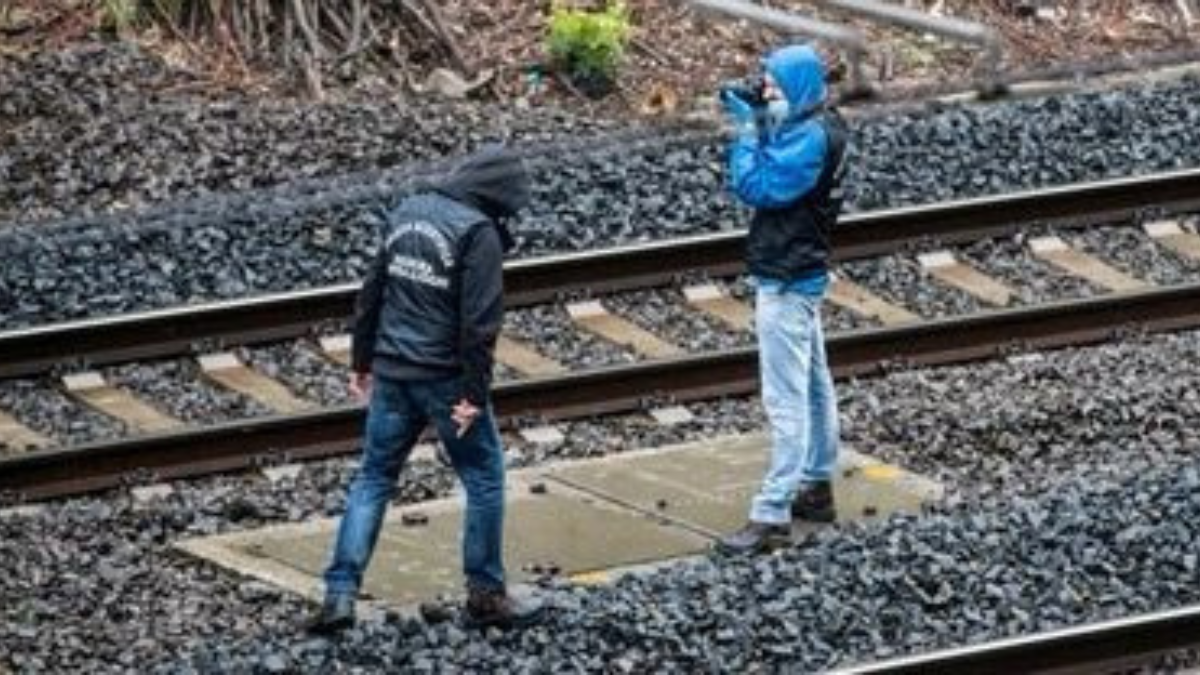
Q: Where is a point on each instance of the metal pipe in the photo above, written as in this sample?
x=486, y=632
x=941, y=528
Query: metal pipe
x=950, y=27
x=848, y=39
x=960, y=29
x=787, y=22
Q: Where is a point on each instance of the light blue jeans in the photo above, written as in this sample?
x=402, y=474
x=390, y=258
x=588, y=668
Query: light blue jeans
x=398, y=413
x=797, y=393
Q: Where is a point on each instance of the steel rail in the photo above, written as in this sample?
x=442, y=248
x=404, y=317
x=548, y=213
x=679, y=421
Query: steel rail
x=175, y=331
x=1091, y=648
x=58, y=472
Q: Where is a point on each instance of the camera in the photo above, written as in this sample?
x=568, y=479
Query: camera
x=752, y=90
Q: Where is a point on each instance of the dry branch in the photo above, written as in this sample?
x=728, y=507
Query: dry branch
x=300, y=11
x=439, y=24
x=356, y=26
x=313, y=36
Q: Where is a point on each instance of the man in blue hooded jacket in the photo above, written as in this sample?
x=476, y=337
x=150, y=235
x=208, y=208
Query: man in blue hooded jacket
x=786, y=163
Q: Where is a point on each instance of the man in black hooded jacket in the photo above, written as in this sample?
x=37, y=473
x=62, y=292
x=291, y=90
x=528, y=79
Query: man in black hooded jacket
x=425, y=330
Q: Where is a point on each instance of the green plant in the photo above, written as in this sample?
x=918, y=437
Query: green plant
x=588, y=46
x=119, y=15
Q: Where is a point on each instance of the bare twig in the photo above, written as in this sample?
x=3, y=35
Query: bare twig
x=424, y=22
x=262, y=37
x=1187, y=10
x=173, y=28
x=313, y=15
x=653, y=53
x=330, y=13
x=364, y=44
x=312, y=77
x=300, y=11
x=234, y=22
x=356, y=26
x=288, y=33
x=226, y=39
x=394, y=49
x=447, y=39
x=566, y=83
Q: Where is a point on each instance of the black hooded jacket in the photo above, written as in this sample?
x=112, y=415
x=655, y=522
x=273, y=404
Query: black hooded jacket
x=431, y=305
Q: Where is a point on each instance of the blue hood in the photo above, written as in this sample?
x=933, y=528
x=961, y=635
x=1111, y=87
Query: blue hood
x=800, y=74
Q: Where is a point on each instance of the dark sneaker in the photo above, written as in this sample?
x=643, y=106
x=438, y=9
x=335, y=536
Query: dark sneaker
x=756, y=538
x=814, y=503
x=336, y=615
x=497, y=608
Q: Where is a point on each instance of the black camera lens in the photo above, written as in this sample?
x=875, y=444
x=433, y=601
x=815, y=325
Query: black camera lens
x=751, y=90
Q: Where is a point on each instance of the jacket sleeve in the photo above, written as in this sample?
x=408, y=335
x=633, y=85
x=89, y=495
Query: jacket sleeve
x=773, y=173
x=366, y=314
x=481, y=308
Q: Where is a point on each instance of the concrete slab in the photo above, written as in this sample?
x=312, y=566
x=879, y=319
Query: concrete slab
x=524, y=359
x=589, y=521
x=16, y=437
x=849, y=295
x=543, y=435
x=672, y=415
x=559, y=530
x=942, y=265
x=717, y=302
x=706, y=492
x=228, y=371
x=144, y=494
x=93, y=390
x=595, y=318
x=1170, y=233
x=1059, y=253
x=23, y=511
x=285, y=472
x=709, y=489
x=336, y=348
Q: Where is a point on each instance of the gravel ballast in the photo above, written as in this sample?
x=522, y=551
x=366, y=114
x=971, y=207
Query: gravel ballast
x=178, y=387
x=96, y=129
x=1086, y=512
x=1073, y=477
x=605, y=188
x=1085, y=551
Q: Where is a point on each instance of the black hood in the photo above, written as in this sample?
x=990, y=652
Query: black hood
x=494, y=181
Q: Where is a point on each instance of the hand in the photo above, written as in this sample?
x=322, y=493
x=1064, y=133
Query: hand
x=737, y=106
x=360, y=386
x=464, y=414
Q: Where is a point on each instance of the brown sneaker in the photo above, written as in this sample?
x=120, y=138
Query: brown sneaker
x=814, y=503
x=756, y=538
x=497, y=608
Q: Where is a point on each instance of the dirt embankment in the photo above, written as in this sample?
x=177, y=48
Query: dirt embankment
x=674, y=55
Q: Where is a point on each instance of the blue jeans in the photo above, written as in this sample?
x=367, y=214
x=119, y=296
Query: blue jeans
x=797, y=393
x=398, y=413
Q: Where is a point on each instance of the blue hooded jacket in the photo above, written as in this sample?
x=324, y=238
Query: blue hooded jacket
x=786, y=172
x=785, y=165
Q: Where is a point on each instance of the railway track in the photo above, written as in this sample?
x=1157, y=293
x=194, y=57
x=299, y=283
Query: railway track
x=552, y=392
x=1098, y=647
x=176, y=331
